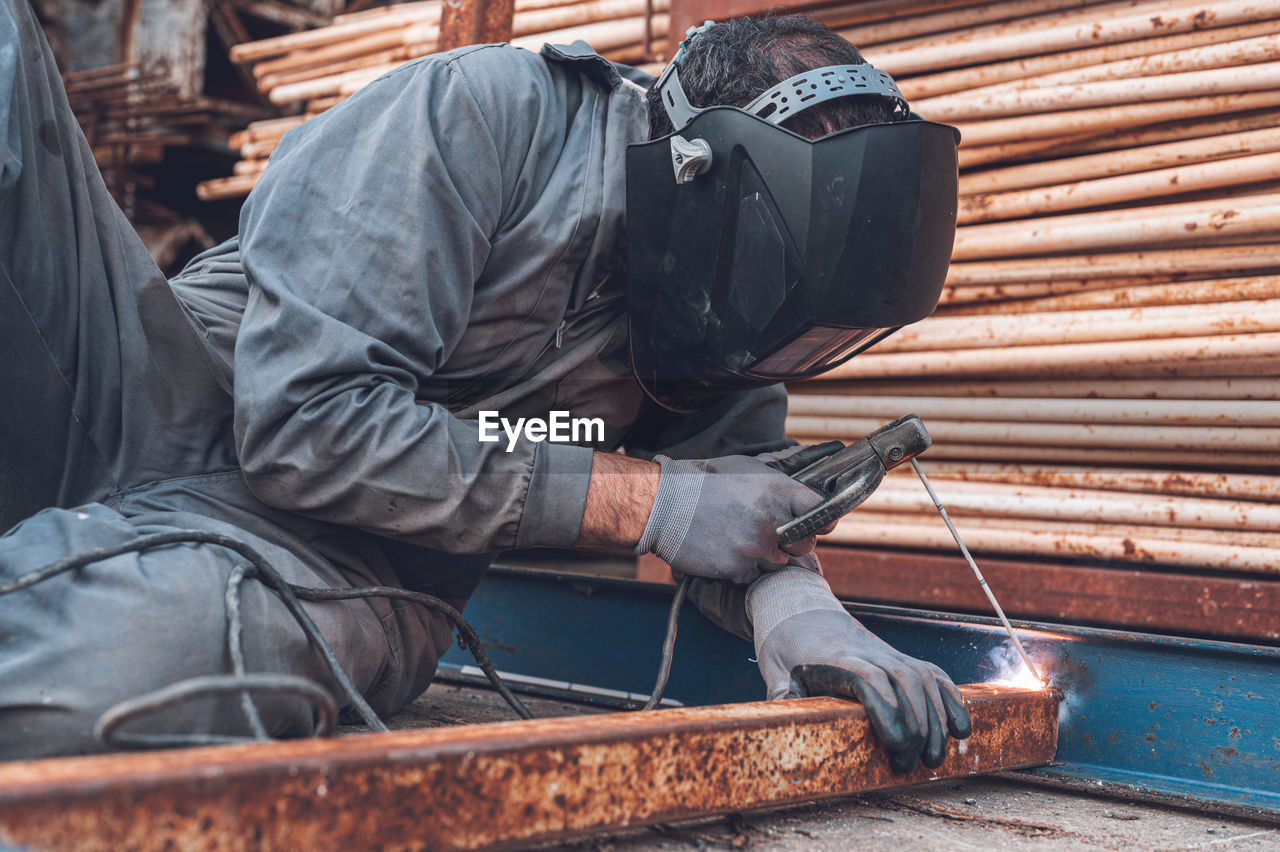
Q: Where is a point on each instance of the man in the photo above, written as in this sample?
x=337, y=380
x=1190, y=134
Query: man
x=447, y=242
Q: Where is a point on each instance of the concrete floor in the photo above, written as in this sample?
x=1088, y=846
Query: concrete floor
x=987, y=813
x=949, y=817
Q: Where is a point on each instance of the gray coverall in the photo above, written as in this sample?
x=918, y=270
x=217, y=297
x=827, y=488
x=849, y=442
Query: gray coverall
x=447, y=241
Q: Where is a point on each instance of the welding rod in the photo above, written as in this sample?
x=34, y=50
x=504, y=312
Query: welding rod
x=982, y=581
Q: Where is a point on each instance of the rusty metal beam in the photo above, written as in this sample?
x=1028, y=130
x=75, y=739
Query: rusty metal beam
x=1147, y=599
x=1151, y=600
x=464, y=22
x=496, y=785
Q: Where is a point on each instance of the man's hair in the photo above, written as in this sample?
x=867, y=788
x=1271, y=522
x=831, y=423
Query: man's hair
x=735, y=61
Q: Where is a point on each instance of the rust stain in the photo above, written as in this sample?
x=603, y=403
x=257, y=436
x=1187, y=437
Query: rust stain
x=1203, y=19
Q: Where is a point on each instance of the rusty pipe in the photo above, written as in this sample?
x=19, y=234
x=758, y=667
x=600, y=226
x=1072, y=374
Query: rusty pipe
x=1100, y=120
x=1248, y=439
x=1020, y=42
x=1029, y=68
x=1168, y=225
x=1080, y=504
x=1123, y=529
x=1205, y=412
x=1076, y=195
x=1036, y=539
x=1032, y=329
x=1178, y=357
x=1107, y=90
x=1209, y=460
x=1188, y=262
x=1141, y=388
x=1125, y=161
x=1132, y=296
x=1236, y=486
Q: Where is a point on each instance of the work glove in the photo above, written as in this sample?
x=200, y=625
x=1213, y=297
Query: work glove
x=718, y=518
x=806, y=644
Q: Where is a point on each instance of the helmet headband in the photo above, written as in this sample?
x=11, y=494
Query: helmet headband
x=788, y=98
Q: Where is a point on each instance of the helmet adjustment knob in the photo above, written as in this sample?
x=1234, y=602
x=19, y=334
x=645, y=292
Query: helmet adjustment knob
x=689, y=158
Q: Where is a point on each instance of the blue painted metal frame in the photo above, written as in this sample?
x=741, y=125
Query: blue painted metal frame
x=1158, y=716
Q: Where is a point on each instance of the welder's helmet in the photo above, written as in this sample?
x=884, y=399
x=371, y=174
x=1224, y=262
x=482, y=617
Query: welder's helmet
x=756, y=255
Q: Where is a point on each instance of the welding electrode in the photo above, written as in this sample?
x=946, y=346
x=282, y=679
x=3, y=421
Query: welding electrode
x=982, y=581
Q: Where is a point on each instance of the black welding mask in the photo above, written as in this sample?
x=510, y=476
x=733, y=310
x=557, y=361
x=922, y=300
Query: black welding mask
x=757, y=256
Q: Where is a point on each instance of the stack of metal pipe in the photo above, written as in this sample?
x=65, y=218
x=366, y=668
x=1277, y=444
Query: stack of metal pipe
x=319, y=68
x=1101, y=378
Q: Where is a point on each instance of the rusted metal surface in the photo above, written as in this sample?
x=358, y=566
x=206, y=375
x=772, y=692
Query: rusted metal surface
x=1170, y=602
x=464, y=22
x=496, y=785
x=1158, y=602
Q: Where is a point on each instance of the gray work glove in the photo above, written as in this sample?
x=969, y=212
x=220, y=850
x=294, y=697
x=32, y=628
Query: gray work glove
x=718, y=518
x=806, y=644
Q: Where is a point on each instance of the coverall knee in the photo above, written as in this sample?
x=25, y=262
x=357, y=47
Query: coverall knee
x=75, y=645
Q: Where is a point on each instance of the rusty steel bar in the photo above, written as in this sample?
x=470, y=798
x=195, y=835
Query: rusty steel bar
x=495, y=785
x=1175, y=357
x=1161, y=602
x=1256, y=439
x=1091, y=326
x=1164, y=601
x=464, y=22
x=1099, y=120
x=1124, y=161
x=1218, y=73
x=1200, y=262
x=1027, y=71
x=1049, y=539
x=1078, y=194
x=1148, y=388
x=1036, y=409
x=1129, y=296
x=1014, y=41
x=1209, y=460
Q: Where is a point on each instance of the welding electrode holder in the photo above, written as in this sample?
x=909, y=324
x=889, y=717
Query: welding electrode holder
x=847, y=476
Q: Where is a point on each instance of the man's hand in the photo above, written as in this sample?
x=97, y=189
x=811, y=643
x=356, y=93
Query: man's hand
x=807, y=644
x=718, y=518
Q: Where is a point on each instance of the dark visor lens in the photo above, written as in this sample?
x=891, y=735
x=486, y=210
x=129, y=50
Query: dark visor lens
x=816, y=349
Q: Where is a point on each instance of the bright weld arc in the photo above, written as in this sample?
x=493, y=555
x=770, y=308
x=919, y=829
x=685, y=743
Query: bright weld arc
x=982, y=581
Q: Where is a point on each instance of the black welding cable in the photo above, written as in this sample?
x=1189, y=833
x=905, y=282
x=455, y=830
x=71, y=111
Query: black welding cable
x=107, y=730
x=668, y=645
x=266, y=574
x=435, y=604
x=236, y=649
x=291, y=596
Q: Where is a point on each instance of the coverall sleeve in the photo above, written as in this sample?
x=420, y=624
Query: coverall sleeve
x=362, y=245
